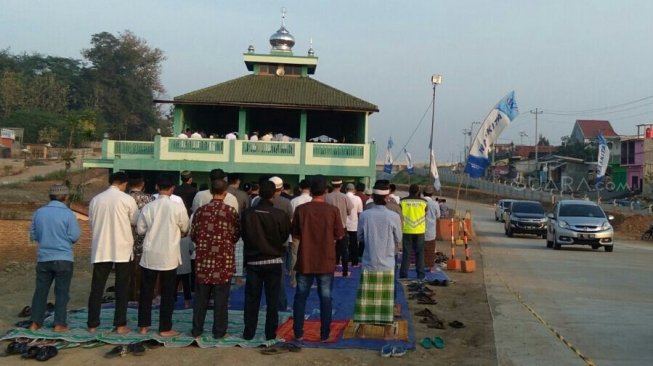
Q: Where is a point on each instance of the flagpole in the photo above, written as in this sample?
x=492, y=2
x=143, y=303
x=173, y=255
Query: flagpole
x=435, y=80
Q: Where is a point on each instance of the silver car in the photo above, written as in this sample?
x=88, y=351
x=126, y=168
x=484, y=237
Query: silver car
x=575, y=222
x=500, y=207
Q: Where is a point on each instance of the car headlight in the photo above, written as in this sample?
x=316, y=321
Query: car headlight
x=606, y=225
x=563, y=224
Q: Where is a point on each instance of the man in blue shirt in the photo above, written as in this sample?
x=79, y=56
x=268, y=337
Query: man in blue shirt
x=55, y=229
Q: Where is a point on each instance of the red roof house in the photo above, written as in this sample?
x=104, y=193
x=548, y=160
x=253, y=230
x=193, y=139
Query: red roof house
x=586, y=130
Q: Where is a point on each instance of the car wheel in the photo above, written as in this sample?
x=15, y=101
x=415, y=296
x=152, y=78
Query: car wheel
x=647, y=235
x=556, y=245
x=549, y=243
x=509, y=233
x=608, y=248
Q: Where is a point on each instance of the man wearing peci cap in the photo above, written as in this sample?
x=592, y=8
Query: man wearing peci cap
x=55, y=229
x=352, y=223
x=344, y=205
x=187, y=190
x=432, y=215
x=381, y=231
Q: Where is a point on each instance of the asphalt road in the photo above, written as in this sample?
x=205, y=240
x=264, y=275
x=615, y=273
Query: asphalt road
x=600, y=304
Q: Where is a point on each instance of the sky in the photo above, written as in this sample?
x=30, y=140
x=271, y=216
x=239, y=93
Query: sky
x=572, y=60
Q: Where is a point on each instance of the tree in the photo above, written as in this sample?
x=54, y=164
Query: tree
x=543, y=141
x=125, y=77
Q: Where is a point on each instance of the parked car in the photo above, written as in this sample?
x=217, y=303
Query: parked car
x=499, y=209
x=526, y=217
x=575, y=222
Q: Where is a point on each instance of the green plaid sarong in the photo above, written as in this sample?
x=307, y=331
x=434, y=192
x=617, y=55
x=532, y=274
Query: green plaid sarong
x=375, y=298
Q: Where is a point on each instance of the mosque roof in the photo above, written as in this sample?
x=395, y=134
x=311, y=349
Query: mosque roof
x=274, y=91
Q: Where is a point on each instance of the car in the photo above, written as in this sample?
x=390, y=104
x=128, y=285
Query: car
x=579, y=222
x=500, y=207
x=526, y=217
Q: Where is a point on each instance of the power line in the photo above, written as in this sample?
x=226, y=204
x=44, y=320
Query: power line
x=595, y=110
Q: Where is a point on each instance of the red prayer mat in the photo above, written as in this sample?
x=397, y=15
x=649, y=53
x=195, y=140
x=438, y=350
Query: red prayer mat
x=312, y=330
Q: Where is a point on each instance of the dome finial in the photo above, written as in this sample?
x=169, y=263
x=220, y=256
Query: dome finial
x=283, y=16
x=311, y=51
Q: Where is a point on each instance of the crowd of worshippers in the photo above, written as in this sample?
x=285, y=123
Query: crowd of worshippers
x=268, y=136
x=203, y=241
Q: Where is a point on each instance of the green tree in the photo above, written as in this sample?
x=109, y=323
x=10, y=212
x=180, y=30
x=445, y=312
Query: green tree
x=543, y=141
x=124, y=79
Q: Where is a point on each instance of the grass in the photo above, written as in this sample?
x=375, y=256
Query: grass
x=56, y=175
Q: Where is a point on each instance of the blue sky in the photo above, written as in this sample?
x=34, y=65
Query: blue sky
x=558, y=56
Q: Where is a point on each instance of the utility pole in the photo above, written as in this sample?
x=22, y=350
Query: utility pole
x=522, y=134
x=466, y=131
x=537, y=137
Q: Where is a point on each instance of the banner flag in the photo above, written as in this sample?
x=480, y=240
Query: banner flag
x=409, y=164
x=499, y=117
x=434, y=173
x=387, y=167
x=603, y=159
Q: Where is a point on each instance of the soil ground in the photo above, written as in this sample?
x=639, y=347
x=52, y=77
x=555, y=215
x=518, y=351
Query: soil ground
x=464, y=300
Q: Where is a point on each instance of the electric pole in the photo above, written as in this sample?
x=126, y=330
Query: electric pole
x=537, y=137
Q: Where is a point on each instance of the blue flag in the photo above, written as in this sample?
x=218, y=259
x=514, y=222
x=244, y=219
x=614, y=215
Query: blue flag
x=499, y=117
x=603, y=159
x=387, y=167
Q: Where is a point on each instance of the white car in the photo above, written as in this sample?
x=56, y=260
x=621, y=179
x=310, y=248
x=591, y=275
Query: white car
x=500, y=207
x=576, y=222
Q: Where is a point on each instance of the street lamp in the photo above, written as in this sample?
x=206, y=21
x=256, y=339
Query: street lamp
x=435, y=80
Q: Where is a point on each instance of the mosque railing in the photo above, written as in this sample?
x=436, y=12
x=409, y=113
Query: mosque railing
x=338, y=154
x=131, y=149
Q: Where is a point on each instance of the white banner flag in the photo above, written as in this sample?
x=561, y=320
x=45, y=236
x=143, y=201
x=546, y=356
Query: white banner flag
x=434, y=173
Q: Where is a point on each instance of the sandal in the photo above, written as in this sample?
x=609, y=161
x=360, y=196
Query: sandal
x=437, y=324
x=427, y=343
x=46, y=353
x=386, y=350
x=426, y=301
x=137, y=349
x=438, y=342
x=457, y=324
x=27, y=311
x=117, y=351
x=274, y=350
x=425, y=312
x=398, y=351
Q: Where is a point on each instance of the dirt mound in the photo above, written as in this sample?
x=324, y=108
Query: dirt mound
x=629, y=226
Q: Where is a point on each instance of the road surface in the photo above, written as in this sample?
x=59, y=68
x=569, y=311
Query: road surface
x=574, y=306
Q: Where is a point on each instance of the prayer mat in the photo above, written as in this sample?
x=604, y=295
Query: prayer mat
x=375, y=298
x=312, y=330
x=376, y=331
x=182, y=321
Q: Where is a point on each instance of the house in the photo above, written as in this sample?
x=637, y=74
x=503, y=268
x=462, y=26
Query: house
x=586, y=131
x=632, y=159
x=304, y=127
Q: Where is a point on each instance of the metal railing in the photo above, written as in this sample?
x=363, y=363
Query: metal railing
x=195, y=145
x=338, y=151
x=268, y=148
x=133, y=148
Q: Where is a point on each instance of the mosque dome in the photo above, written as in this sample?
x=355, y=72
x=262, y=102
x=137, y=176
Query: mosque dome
x=282, y=40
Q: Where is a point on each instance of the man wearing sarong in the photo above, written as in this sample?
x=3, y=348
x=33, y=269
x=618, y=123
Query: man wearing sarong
x=215, y=230
x=380, y=229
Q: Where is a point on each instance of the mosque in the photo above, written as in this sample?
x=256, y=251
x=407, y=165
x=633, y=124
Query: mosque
x=276, y=120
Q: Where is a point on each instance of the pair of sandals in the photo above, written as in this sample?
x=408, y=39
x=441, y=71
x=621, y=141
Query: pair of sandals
x=390, y=350
x=281, y=347
x=431, y=320
x=41, y=353
x=136, y=349
x=435, y=342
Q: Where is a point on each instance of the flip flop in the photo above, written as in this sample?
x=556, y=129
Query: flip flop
x=426, y=301
x=427, y=343
x=117, y=351
x=46, y=353
x=137, y=349
x=386, y=350
x=437, y=324
x=274, y=350
x=425, y=312
x=456, y=324
x=398, y=351
x=438, y=342
x=27, y=311
x=289, y=346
